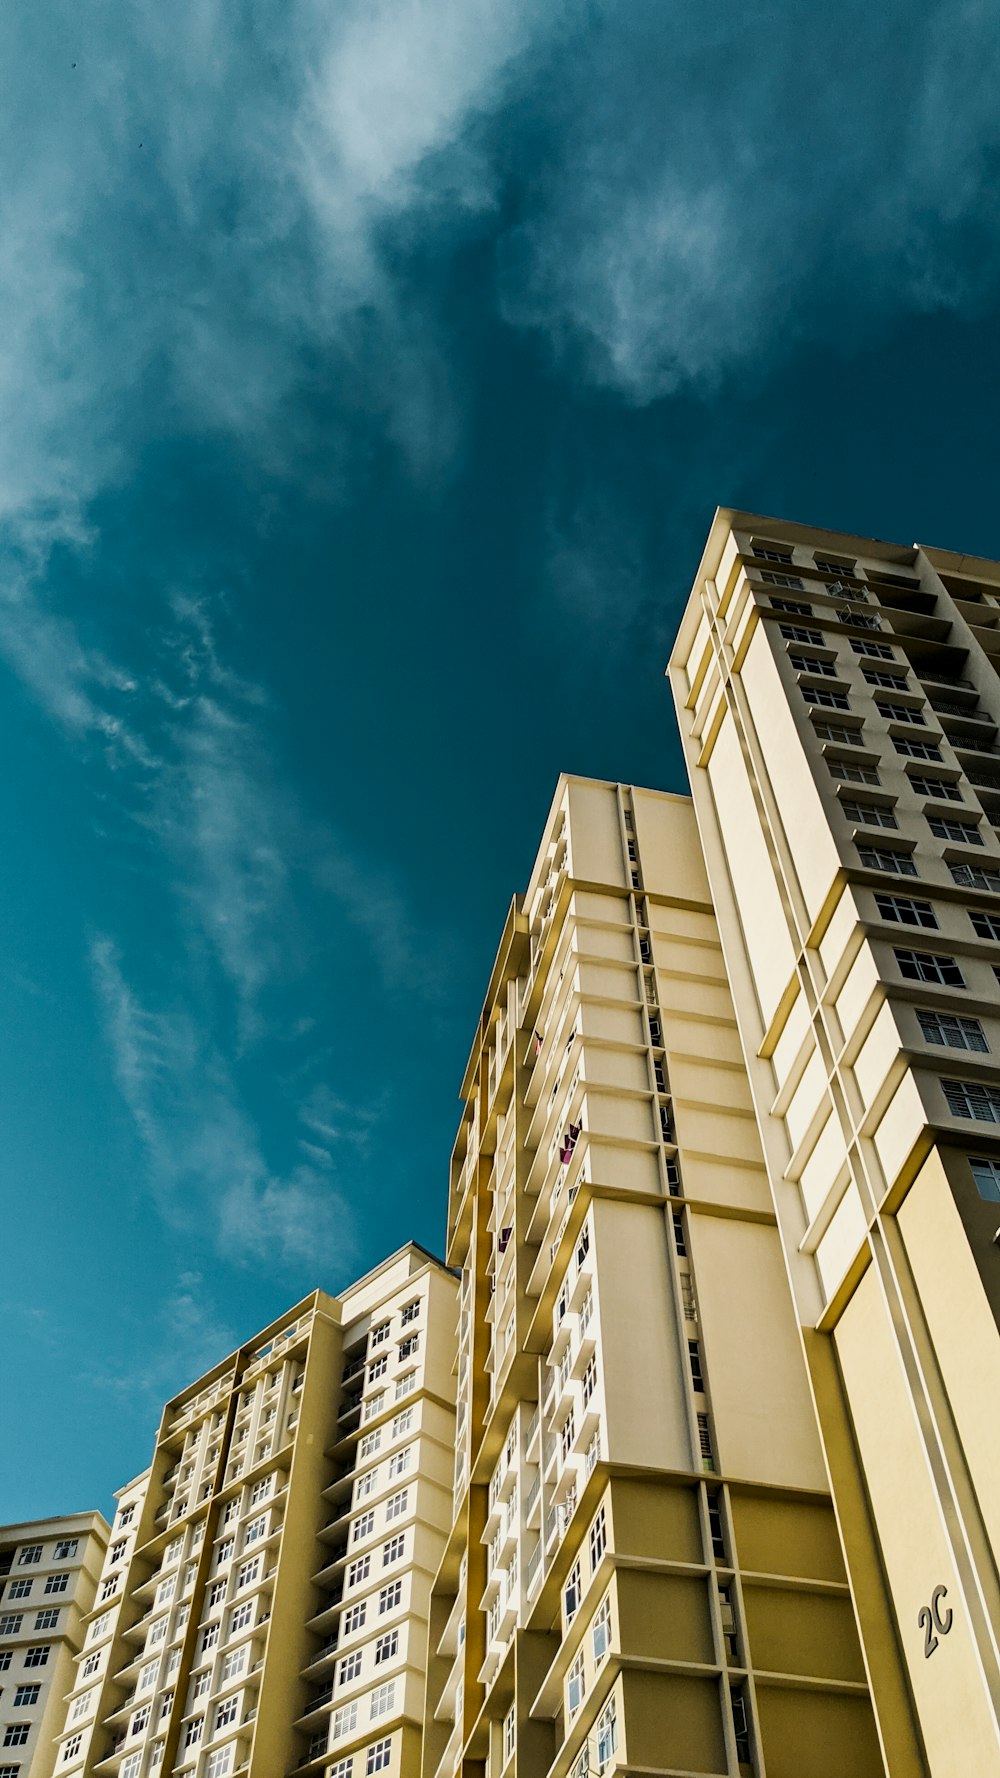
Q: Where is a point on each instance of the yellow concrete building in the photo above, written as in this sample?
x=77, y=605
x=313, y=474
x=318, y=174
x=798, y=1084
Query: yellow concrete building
x=839, y=703
x=49, y=1570
x=263, y=1606
x=643, y=1573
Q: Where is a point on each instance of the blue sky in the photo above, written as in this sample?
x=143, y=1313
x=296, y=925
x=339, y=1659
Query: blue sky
x=369, y=374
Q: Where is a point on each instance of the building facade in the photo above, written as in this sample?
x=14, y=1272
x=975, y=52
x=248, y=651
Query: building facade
x=839, y=703
x=48, y=1577
x=263, y=1606
x=643, y=1572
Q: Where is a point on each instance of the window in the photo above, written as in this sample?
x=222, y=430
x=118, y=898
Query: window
x=383, y=1698
x=365, y=1484
x=589, y=1379
x=408, y=1347
x=771, y=552
x=216, y=1594
x=942, y=788
x=509, y=1733
x=607, y=1734
x=900, y=712
x=234, y=1664
x=396, y=1505
x=573, y=1591
x=879, y=651
x=202, y=1683
x=379, y=1333
x=837, y=568
x=794, y=632
x=986, y=1174
x=390, y=1597
x=369, y=1444
x=864, y=620
x=166, y=1705
x=574, y=1685
x=363, y=1526
x=904, y=911
x=219, y=1762
x=402, y=1422
x=807, y=663
x=898, y=864
x=887, y=681
x=848, y=772
x=66, y=1548
x=393, y=1550
x=968, y=1098
x=70, y=1750
x=694, y=1360
x=341, y=1768
x=972, y=876
x=99, y=1626
x=600, y=1631
x=790, y=580
x=256, y=1529
x=913, y=749
x=869, y=814
x=741, y=1724
x=226, y=1712
x=345, y=1720
x=140, y=1719
x=405, y=1385
x=955, y=1032
x=386, y=1647
x=209, y=1638
x=353, y=1619
x=25, y=1695
x=705, y=1442
x=36, y=1657
x=109, y=1587
x=247, y=1573
x=373, y=1405
x=242, y=1616
x=129, y=1767
x=379, y=1756
x=192, y=1734
x=16, y=1734
x=598, y=1540
x=837, y=733
x=165, y=1590
x=986, y=926
x=379, y=1368
x=127, y=1514
x=56, y=1583
x=400, y=1461
x=349, y=1668
x=359, y=1571
x=90, y=1665
x=224, y=1551
x=260, y=1490
x=924, y=966
x=32, y=1552
x=825, y=698
x=410, y=1312
x=19, y=1589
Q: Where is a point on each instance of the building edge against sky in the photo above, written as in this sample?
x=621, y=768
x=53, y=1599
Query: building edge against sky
x=262, y=1608
x=49, y=1571
x=643, y=1571
x=838, y=702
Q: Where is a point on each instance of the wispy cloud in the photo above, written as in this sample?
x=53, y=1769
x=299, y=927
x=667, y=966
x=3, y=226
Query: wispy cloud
x=183, y=1336
x=207, y=1168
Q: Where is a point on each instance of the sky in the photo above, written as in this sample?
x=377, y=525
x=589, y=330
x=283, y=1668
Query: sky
x=369, y=375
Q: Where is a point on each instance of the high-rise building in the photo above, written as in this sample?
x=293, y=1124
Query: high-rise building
x=263, y=1606
x=48, y=1577
x=839, y=705
x=643, y=1571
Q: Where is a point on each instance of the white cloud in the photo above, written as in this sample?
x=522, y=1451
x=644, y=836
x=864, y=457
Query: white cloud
x=207, y=1169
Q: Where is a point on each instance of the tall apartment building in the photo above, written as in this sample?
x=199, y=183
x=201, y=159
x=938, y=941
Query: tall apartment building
x=839, y=704
x=643, y=1571
x=48, y=1577
x=264, y=1602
